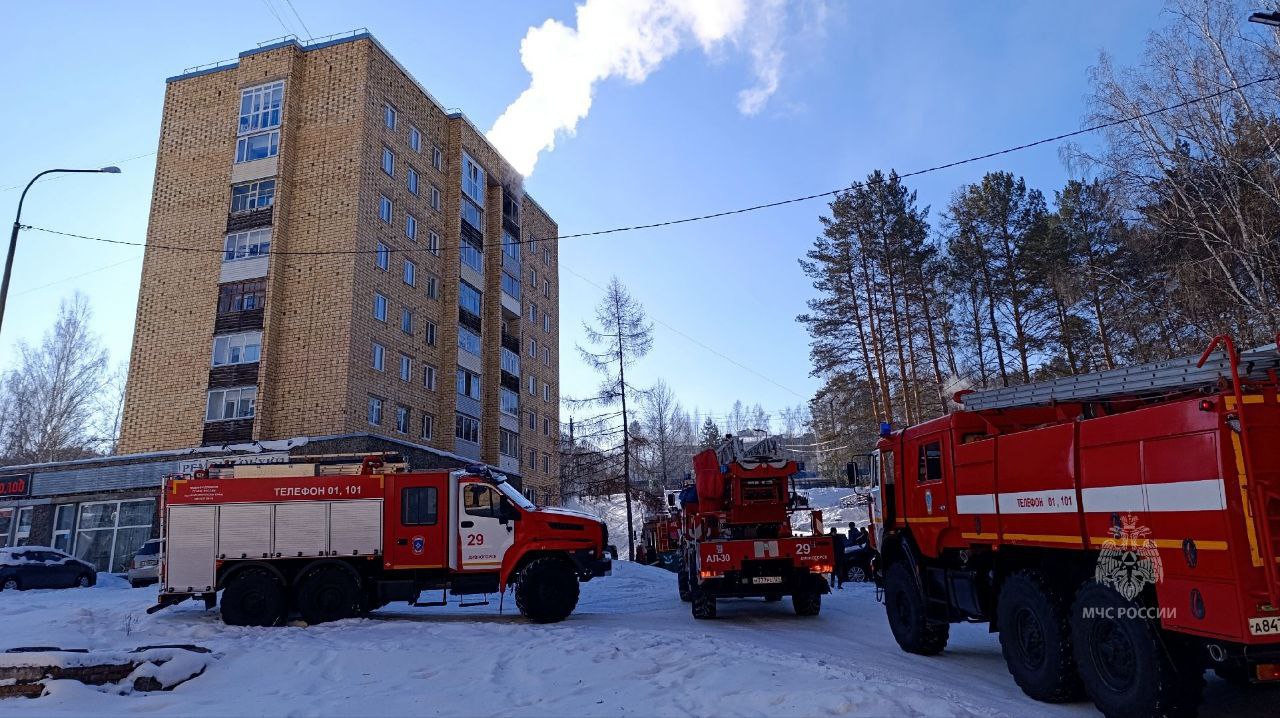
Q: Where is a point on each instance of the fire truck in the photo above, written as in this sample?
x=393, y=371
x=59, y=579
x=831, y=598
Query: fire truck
x=337, y=546
x=660, y=540
x=1118, y=529
x=736, y=539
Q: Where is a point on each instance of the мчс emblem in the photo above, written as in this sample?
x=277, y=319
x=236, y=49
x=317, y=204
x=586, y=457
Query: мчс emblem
x=1129, y=560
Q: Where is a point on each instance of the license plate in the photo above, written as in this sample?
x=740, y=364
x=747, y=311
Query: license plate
x=1264, y=626
x=767, y=579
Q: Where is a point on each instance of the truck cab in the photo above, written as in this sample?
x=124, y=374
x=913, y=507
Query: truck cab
x=336, y=546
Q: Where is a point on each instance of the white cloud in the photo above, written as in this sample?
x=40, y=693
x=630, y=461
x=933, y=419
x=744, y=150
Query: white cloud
x=628, y=39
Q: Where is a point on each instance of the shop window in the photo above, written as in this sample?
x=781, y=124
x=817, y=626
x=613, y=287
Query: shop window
x=109, y=533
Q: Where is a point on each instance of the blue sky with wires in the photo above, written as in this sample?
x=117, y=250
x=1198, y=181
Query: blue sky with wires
x=716, y=110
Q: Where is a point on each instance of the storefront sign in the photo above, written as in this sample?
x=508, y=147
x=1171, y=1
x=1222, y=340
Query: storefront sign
x=15, y=485
x=187, y=467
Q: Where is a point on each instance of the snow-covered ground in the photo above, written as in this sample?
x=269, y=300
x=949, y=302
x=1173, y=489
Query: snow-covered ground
x=631, y=648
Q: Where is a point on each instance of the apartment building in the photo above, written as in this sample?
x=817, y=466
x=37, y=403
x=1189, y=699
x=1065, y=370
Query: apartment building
x=332, y=253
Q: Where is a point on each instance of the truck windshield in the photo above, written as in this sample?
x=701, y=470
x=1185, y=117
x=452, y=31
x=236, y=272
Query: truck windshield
x=516, y=497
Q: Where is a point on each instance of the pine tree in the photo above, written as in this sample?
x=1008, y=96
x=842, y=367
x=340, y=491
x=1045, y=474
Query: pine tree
x=710, y=436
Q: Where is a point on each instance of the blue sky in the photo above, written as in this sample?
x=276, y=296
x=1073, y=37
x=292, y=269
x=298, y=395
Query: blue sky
x=873, y=85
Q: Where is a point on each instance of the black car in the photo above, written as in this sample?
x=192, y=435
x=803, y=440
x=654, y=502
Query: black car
x=23, y=567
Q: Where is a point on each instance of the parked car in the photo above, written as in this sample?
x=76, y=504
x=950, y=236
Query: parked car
x=23, y=567
x=144, y=570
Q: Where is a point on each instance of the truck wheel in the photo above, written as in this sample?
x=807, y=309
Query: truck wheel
x=253, y=597
x=1123, y=662
x=329, y=593
x=704, y=605
x=546, y=590
x=807, y=603
x=905, y=607
x=682, y=583
x=1035, y=636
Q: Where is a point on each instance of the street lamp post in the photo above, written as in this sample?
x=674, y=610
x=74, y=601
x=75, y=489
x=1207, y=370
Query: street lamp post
x=17, y=226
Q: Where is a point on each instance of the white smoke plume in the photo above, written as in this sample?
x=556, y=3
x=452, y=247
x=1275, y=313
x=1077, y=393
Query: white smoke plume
x=628, y=39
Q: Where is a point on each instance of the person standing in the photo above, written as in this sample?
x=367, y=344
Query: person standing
x=841, y=567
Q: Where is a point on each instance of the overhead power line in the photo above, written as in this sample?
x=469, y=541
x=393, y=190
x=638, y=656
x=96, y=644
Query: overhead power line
x=300, y=21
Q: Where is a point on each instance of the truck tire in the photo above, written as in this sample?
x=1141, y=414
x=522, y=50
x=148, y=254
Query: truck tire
x=682, y=583
x=704, y=605
x=328, y=593
x=807, y=603
x=905, y=607
x=254, y=597
x=1035, y=637
x=546, y=590
x=1124, y=664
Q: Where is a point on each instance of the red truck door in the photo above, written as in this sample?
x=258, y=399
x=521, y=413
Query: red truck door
x=415, y=536
x=928, y=496
x=483, y=534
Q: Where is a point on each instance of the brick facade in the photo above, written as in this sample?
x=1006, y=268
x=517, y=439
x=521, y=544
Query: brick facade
x=315, y=375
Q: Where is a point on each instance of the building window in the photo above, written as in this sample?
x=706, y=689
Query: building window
x=509, y=443
x=533, y=385
x=546, y=288
x=375, y=411
x=406, y=368
x=509, y=403
x=411, y=181
x=247, y=245
x=415, y=139
x=428, y=426
x=406, y=321
x=546, y=323
x=410, y=273
x=533, y=459
x=533, y=347
x=225, y=404
x=383, y=256
x=429, y=377
x=533, y=277
x=249, y=196
x=379, y=356
x=546, y=391
x=473, y=179
x=470, y=255
x=242, y=296
x=467, y=428
x=533, y=421
x=546, y=255
x=411, y=227
x=389, y=117
x=546, y=463
x=242, y=348
x=379, y=307
x=433, y=242
x=388, y=162
x=546, y=356
x=469, y=298
x=533, y=312
x=260, y=107
x=435, y=198
x=258, y=147
x=384, y=209
x=509, y=362
x=472, y=214
x=546, y=428
x=511, y=285
x=468, y=341
x=431, y=334
x=437, y=157
x=64, y=521
x=402, y=419
x=468, y=384
x=109, y=533
x=433, y=286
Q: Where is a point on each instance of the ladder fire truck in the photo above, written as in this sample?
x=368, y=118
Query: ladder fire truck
x=1118, y=529
x=736, y=538
x=337, y=546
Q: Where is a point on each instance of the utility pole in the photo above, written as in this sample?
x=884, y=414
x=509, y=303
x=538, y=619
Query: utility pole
x=573, y=458
x=626, y=434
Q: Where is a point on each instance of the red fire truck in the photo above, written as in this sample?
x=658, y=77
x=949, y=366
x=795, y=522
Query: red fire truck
x=736, y=532
x=337, y=546
x=660, y=541
x=1118, y=529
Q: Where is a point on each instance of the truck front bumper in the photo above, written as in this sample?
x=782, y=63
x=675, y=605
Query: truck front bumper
x=590, y=567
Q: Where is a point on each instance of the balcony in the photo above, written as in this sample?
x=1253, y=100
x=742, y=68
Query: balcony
x=252, y=219
x=238, y=321
x=510, y=213
x=469, y=320
x=511, y=343
x=223, y=377
x=227, y=432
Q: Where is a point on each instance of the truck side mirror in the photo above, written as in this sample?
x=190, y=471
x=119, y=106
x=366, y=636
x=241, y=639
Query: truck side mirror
x=851, y=472
x=671, y=500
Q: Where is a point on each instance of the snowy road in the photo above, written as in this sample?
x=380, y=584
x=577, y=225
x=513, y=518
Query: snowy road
x=630, y=649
